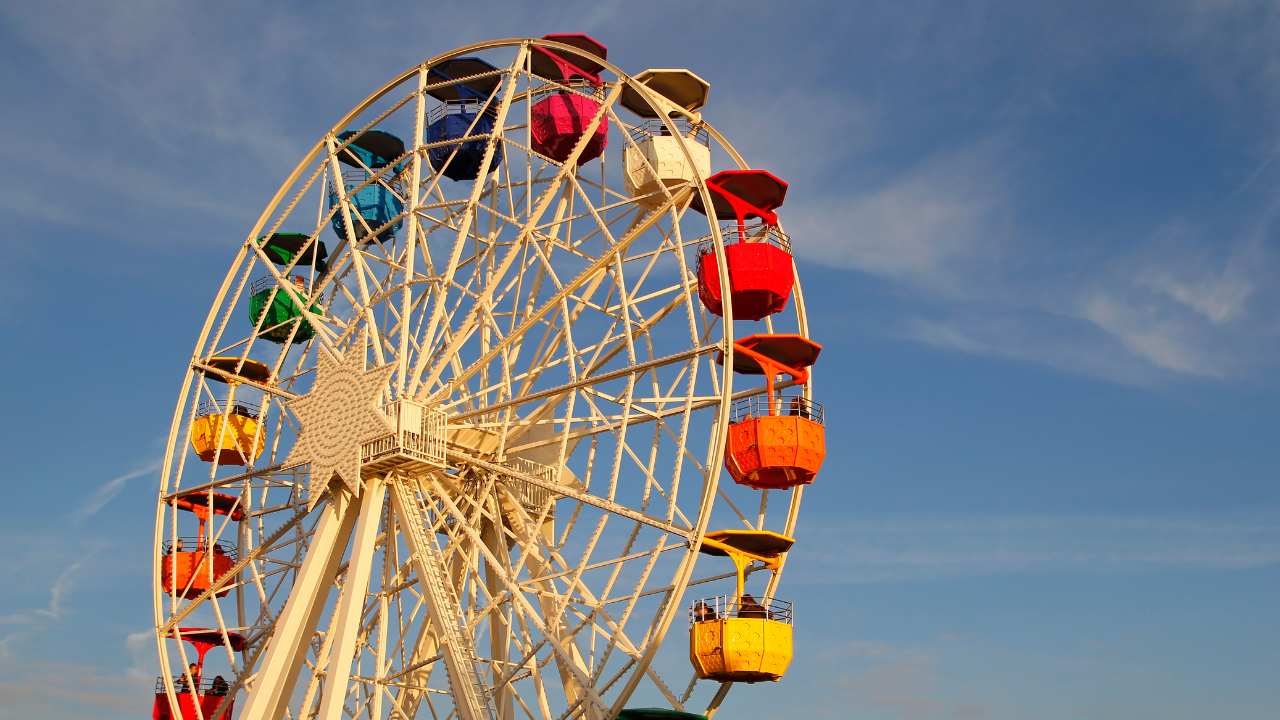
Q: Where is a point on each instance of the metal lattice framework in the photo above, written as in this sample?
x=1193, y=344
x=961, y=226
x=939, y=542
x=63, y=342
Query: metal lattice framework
x=550, y=322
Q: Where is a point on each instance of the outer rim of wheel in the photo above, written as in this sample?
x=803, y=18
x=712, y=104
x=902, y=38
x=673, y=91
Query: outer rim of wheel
x=715, y=459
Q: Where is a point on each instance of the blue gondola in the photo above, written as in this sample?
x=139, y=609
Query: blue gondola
x=457, y=118
x=375, y=149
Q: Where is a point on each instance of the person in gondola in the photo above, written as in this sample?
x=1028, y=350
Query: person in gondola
x=219, y=687
x=749, y=608
x=182, y=687
x=703, y=613
x=798, y=408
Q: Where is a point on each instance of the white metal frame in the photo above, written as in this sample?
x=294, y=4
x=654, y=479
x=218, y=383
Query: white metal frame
x=555, y=322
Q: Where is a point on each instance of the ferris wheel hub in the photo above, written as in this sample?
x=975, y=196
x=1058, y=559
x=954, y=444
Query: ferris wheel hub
x=415, y=446
x=338, y=417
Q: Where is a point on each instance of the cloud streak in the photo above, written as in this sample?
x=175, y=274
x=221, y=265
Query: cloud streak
x=38, y=619
x=927, y=550
x=65, y=690
x=107, y=492
x=1177, y=301
x=142, y=648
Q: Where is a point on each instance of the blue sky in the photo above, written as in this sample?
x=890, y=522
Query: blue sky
x=1038, y=241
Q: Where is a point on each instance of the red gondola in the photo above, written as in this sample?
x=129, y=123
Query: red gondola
x=761, y=272
x=209, y=695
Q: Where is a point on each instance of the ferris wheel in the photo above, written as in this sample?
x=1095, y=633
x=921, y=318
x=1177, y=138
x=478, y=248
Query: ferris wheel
x=450, y=443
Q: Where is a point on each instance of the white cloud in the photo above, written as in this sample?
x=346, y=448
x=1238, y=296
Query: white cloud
x=61, y=586
x=1059, y=341
x=1180, y=300
x=921, y=228
x=39, y=618
x=1161, y=311
x=142, y=648
x=1213, y=277
x=1146, y=334
x=1216, y=298
x=107, y=492
x=1188, y=298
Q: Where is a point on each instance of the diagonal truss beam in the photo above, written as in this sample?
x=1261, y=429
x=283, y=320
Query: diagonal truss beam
x=291, y=639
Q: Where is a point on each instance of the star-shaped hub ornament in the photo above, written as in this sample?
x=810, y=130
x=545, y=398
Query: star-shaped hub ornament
x=338, y=416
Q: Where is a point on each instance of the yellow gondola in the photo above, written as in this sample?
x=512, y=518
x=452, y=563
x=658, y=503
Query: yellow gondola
x=738, y=638
x=231, y=437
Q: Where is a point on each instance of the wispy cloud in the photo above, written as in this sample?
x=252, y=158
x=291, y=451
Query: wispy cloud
x=1258, y=173
x=40, y=554
x=60, y=587
x=925, y=228
x=1177, y=301
x=66, y=690
x=923, y=550
x=142, y=648
x=39, y=618
x=107, y=492
x=994, y=238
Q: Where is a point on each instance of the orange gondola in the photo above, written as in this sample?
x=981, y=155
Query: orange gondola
x=776, y=441
x=191, y=565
